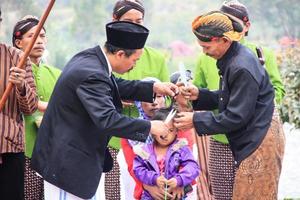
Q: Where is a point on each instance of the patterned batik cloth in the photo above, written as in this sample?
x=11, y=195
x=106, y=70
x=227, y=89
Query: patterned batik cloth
x=33, y=184
x=203, y=181
x=221, y=170
x=112, y=178
x=258, y=175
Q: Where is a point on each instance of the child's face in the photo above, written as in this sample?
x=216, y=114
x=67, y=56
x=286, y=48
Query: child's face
x=150, y=108
x=169, y=138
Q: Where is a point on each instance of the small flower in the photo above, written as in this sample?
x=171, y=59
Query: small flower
x=18, y=33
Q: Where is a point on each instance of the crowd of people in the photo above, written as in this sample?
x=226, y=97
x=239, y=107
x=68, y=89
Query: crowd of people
x=114, y=124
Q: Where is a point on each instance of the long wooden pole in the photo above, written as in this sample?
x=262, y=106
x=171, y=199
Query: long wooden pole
x=27, y=51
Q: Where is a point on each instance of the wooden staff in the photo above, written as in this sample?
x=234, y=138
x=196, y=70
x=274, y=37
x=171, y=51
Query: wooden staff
x=27, y=51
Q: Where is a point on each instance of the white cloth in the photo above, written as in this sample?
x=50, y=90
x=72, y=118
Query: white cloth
x=127, y=183
x=54, y=193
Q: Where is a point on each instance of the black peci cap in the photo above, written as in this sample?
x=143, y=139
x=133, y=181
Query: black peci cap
x=126, y=35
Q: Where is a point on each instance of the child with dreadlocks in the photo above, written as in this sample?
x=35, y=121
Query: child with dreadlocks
x=146, y=111
x=168, y=162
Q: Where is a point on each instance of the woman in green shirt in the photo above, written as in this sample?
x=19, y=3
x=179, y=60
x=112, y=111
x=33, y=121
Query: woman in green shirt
x=45, y=78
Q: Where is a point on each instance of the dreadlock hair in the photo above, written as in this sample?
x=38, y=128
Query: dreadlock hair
x=123, y=6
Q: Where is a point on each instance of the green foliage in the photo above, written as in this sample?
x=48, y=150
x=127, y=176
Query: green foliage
x=290, y=62
x=75, y=25
x=275, y=18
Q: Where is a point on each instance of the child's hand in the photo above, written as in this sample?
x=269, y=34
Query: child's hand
x=161, y=181
x=172, y=183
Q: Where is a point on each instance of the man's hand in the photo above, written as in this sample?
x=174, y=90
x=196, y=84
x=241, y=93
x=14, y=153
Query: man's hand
x=169, y=89
x=158, y=128
x=17, y=77
x=156, y=192
x=184, y=120
x=190, y=92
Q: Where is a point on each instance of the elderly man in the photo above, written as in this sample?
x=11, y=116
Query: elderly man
x=245, y=101
x=22, y=100
x=206, y=76
x=84, y=113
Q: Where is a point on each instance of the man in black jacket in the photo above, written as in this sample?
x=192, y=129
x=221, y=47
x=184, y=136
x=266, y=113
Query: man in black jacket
x=245, y=101
x=84, y=112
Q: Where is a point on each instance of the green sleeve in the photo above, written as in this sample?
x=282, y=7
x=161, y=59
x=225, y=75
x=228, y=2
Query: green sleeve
x=164, y=71
x=272, y=69
x=199, y=76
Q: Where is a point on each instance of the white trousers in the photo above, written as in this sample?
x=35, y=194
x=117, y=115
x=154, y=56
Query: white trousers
x=54, y=193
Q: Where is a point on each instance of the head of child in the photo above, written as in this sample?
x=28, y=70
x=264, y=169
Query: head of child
x=181, y=102
x=165, y=141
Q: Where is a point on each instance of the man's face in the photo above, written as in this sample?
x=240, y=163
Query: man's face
x=133, y=16
x=215, y=49
x=125, y=63
x=39, y=46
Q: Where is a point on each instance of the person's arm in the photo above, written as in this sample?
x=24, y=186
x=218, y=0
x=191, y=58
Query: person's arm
x=146, y=176
x=95, y=95
x=26, y=96
x=202, y=99
x=144, y=91
x=189, y=168
x=135, y=90
x=273, y=72
x=239, y=110
x=207, y=100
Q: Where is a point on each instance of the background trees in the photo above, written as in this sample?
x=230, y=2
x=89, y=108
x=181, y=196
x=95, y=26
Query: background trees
x=75, y=25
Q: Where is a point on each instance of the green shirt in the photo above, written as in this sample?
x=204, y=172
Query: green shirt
x=206, y=76
x=152, y=63
x=45, y=78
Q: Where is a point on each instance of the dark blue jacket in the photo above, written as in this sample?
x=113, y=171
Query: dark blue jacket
x=245, y=101
x=82, y=115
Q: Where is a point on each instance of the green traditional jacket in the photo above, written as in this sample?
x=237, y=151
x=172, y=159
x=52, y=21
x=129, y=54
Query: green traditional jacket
x=206, y=76
x=151, y=64
x=45, y=78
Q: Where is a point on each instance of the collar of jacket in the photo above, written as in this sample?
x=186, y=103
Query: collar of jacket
x=222, y=62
